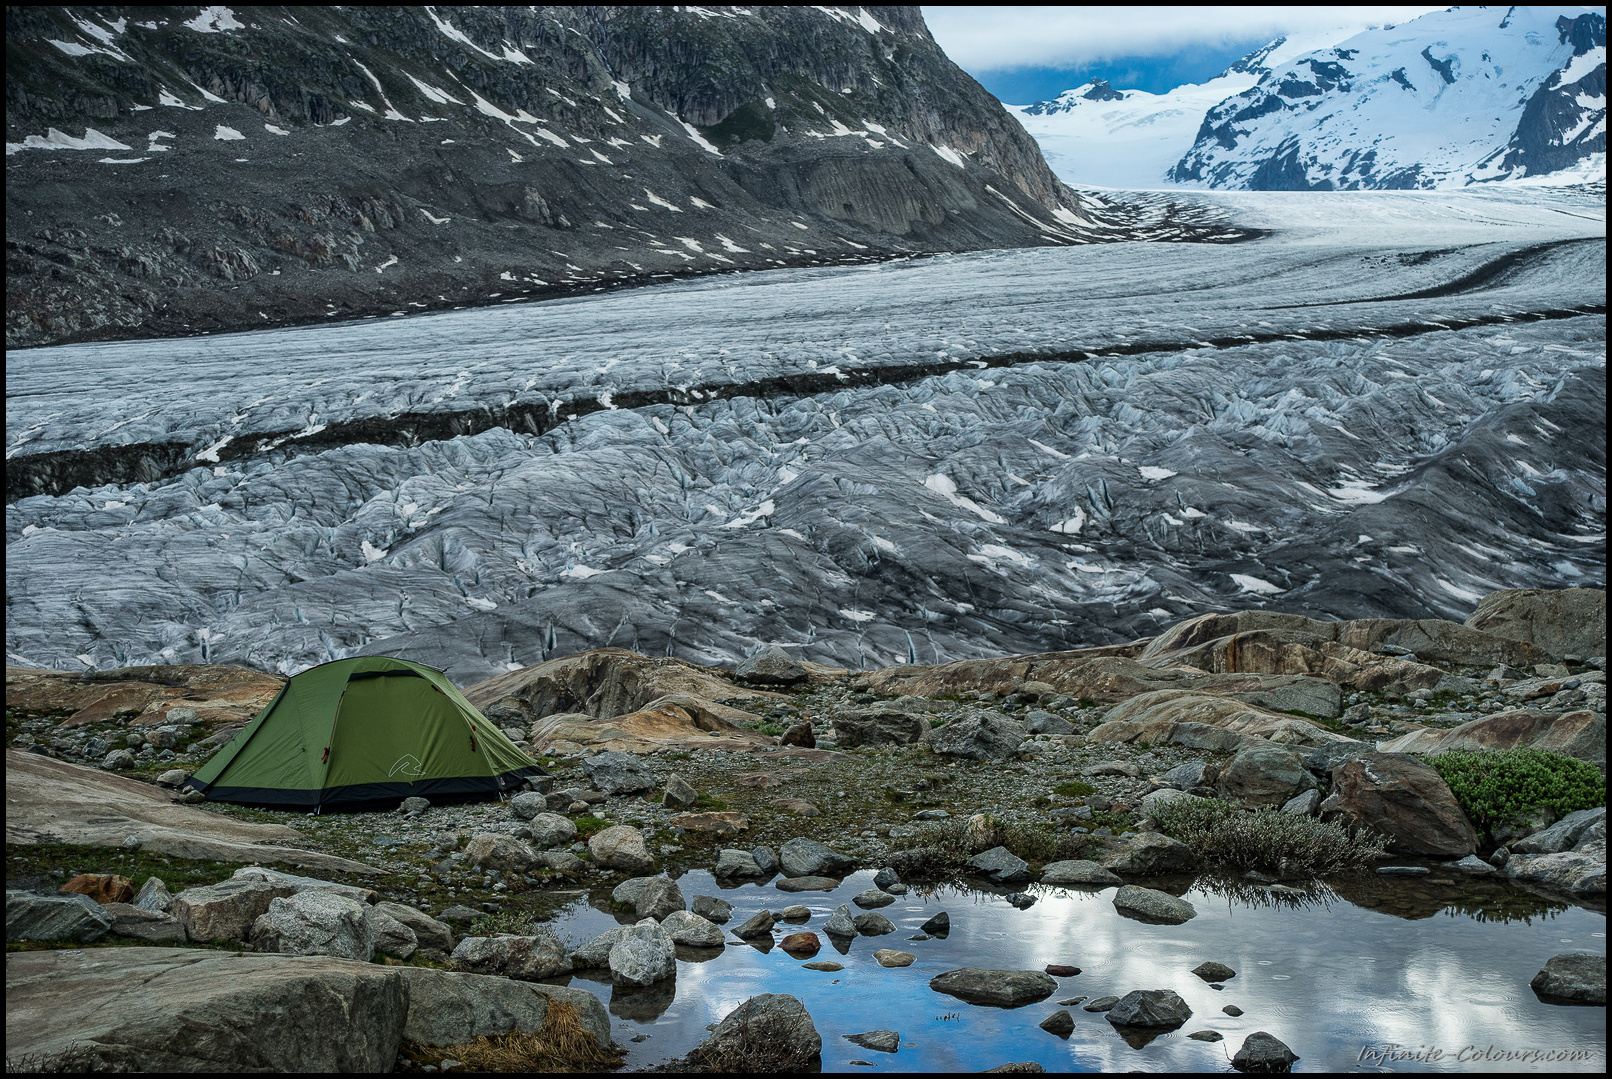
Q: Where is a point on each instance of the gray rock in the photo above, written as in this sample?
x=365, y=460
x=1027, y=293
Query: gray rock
x=562, y=861
x=1578, y=872
x=880, y=1041
x=879, y=728
x=315, y=923
x=1206, y=1036
x=939, y=925
x=1038, y=722
x=151, y=926
x=873, y=924
x=550, y=830
x=679, y=793
x=1111, y=768
x=772, y=666
x=1210, y=971
x=492, y=850
x=1561, y=836
x=1263, y=1053
x=67, y=916
x=154, y=896
x=795, y=913
x=621, y=847
x=886, y=877
x=173, y=777
x=644, y=954
x=840, y=923
x=1567, y=621
x=736, y=865
x=614, y=772
x=1150, y=905
x=1146, y=854
x=772, y=1027
x=1576, y=977
x=627, y=892
x=1473, y=866
x=1001, y=988
x=1060, y=1023
x=1101, y=1004
x=392, y=937
x=1402, y=871
x=766, y=859
x=757, y=925
x=1192, y=774
x=686, y=927
x=978, y=736
x=118, y=760
x=712, y=909
x=527, y=804
x=1154, y=802
x=596, y=952
x=660, y=897
x=428, y=932
x=413, y=806
x=1078, y=871
x=523, y=957
x=1232, y=1010
x=1150, y=1008
x=872, y=899
x=448, y=1008
x=809, y=858
x=227, y=910
x=1304, y=804
x=1264, y=775
x=298, y=884
x=1000, y=865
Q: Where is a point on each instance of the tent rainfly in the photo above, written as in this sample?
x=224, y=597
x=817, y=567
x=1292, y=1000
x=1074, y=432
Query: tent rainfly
x=362, y=734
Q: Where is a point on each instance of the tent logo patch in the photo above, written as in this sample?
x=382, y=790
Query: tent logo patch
x=409, y=765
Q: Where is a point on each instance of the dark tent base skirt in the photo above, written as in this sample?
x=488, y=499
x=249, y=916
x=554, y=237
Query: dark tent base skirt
x=368, y=797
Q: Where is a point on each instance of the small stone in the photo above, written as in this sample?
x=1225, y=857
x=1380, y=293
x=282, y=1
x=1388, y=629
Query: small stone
x=1059, y=1022
x=758, y=925
x=824, y=965
x=1101, y=1004
x=939, y=925
x=889, y=957
x=882, y=1041
x=1020, y=900
x=1232, y=1010
x=1151, y=905
x=712, y=909
x=679, y=793
x=807, y=884
x=873, y=924
x=873, y=898
x=1061, y=970
x=795, y=913
x=885, y=877
x=1211, y=971
x=806, y=944
x=1070, y=1002
x=1205, y=1036
x=1263, y=1053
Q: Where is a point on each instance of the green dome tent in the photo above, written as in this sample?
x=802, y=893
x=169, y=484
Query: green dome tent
x=363, y=734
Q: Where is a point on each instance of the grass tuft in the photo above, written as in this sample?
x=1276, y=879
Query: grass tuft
x=561, y=1044
x=1221, y=834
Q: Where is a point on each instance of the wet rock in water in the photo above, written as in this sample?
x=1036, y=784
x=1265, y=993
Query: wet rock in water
x=1101, y=1004
x=67, y=917
x=1232, y=1010
x=1263, y=1053
x=621, y=847
x=939, y=925
x=880, y=1041
x=885, y=877
x=1473, y=866
x=686, y=927
x=627, y=892
x=795, y=913
x=1150, y=1008
x=1563, y=835
x=1205, y=1036
x=660, y=897
x=978, y=736
x=615, y=772
x=712, y=909
x=806, y=944
x=596, y=952
x=1059, y=1022
x=757, y=925
x=1020, y=900
x=102, y=887
x=1403, y=798
x=679, y=793
x=736, y=864
x=766, y=859
x=772, y=666
x=1403, y=871
x=643, y=955
x=527, y=958
x=1000, y=865
x=1572, y=977
x=840, y=923
x=799, y=734
x=1151, y=905
x=825, y=965
x=1210, y=971
x=889, y=957
x=873, y=898
x=490, y=850
x=1078, y=871
x=1001, y=988
x=809, y=858
x=873, y=924
x=807, y=884
x=1061, y=970
x=1027, y=1067
x=1070, y=1002
x=774, y=1026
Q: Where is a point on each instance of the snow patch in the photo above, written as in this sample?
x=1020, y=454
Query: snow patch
x=215, y=20
x=943, y=485
x=56, y=140
x=1254, y=584
x=1153, y=472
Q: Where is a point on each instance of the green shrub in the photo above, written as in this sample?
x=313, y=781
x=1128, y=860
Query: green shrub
x=1494, y=785
x=1074, y=789
x=1221, y=834
x=945, y=844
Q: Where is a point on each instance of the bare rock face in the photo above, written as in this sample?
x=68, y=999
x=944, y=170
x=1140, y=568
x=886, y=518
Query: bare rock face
x=1403, y=798
x=1559, y=622
x=1574, y=734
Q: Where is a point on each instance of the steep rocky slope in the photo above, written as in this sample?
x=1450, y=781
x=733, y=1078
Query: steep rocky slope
x=170, y=172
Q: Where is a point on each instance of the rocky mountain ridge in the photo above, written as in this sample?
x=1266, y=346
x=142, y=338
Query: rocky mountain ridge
x=175, y=173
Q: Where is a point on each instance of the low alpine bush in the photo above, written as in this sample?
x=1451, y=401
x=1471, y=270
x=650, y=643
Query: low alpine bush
x=1494, y=785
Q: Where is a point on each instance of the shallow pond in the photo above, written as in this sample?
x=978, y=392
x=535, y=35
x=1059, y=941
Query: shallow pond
x=1423, y=964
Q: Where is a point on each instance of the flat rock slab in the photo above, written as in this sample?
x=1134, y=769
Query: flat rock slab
x=1572, y=978
x=1000, y=988
x=1152, y=905
x=807, y=884
x=184, y=1010
x=51, y=801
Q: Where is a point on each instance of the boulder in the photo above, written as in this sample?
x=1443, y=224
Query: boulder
x=1151, y=905
x=1038, y=722
x=1559, y=622
x=1263, y=775
x=1563, y=835
x=227, y=910
x=679, y=794
x=878, y=727
x=151, y=926
x=686, y=927
x=772, y=666
x=736, y=865
x=766, y=859
x=527, y=804
x=1303, y=805
x=1404, y=799
x=801, y=735
x=627, y=892
x=1078, y=872
x=1150, y=1008
x=392, y=937
x=447, y=1008
x=615, y=772
x=645, y=954
x=305, y=884
x=550, y=830
x=872, y=899
x=428, y=932
x=757, y=925
x=1261, y=1052
x=621, y=847
x=154, y=896
x=102, y=887
x=658, y=898
x=1192, y=774
x=1580, y=871
x=1579, y=734
x=770, y=1032
x=186, y=1010
x=1145, y=854
x=809, y=858
x=68, y=916
x=1574, y=977
x=527, y=958
x=1000, y=865
x=491, y=850
x=1000, y=988
x=411, y=806
x=873, y=924
x=978, y=736
x=315, y=923
x=712, y=909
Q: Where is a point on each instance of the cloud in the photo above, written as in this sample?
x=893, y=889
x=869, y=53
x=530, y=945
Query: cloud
x=1010, y=38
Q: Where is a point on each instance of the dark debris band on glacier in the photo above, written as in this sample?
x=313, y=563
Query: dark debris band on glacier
x=1018, y=508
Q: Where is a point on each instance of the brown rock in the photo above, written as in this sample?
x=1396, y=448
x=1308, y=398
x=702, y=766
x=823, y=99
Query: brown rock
x=801, y=734
x=1561, y=622
x=824, y=965
x=1403, y=798
x=799, y=807
x=721, y=824
x=1061, y=970
x=104, y=888
x=217, y=692
x=1574, y=734
x=805, y=944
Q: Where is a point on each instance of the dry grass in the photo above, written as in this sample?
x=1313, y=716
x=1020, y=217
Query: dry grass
x=561, y=1044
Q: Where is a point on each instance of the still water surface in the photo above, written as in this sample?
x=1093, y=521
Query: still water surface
x=1424, y=964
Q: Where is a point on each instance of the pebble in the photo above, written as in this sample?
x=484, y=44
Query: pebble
x=824, y=964
x=1205, y=1036
x=1070, y=1002
x=1402, y=871
x=1232, y=1010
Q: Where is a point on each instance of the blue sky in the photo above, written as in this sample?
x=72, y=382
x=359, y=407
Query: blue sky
x=1027, y=54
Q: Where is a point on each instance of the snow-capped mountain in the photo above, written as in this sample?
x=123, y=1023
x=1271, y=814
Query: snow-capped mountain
x=1452, y=98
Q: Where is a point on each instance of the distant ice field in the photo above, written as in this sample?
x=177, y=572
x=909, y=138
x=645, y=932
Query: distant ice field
x=1389, y=405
